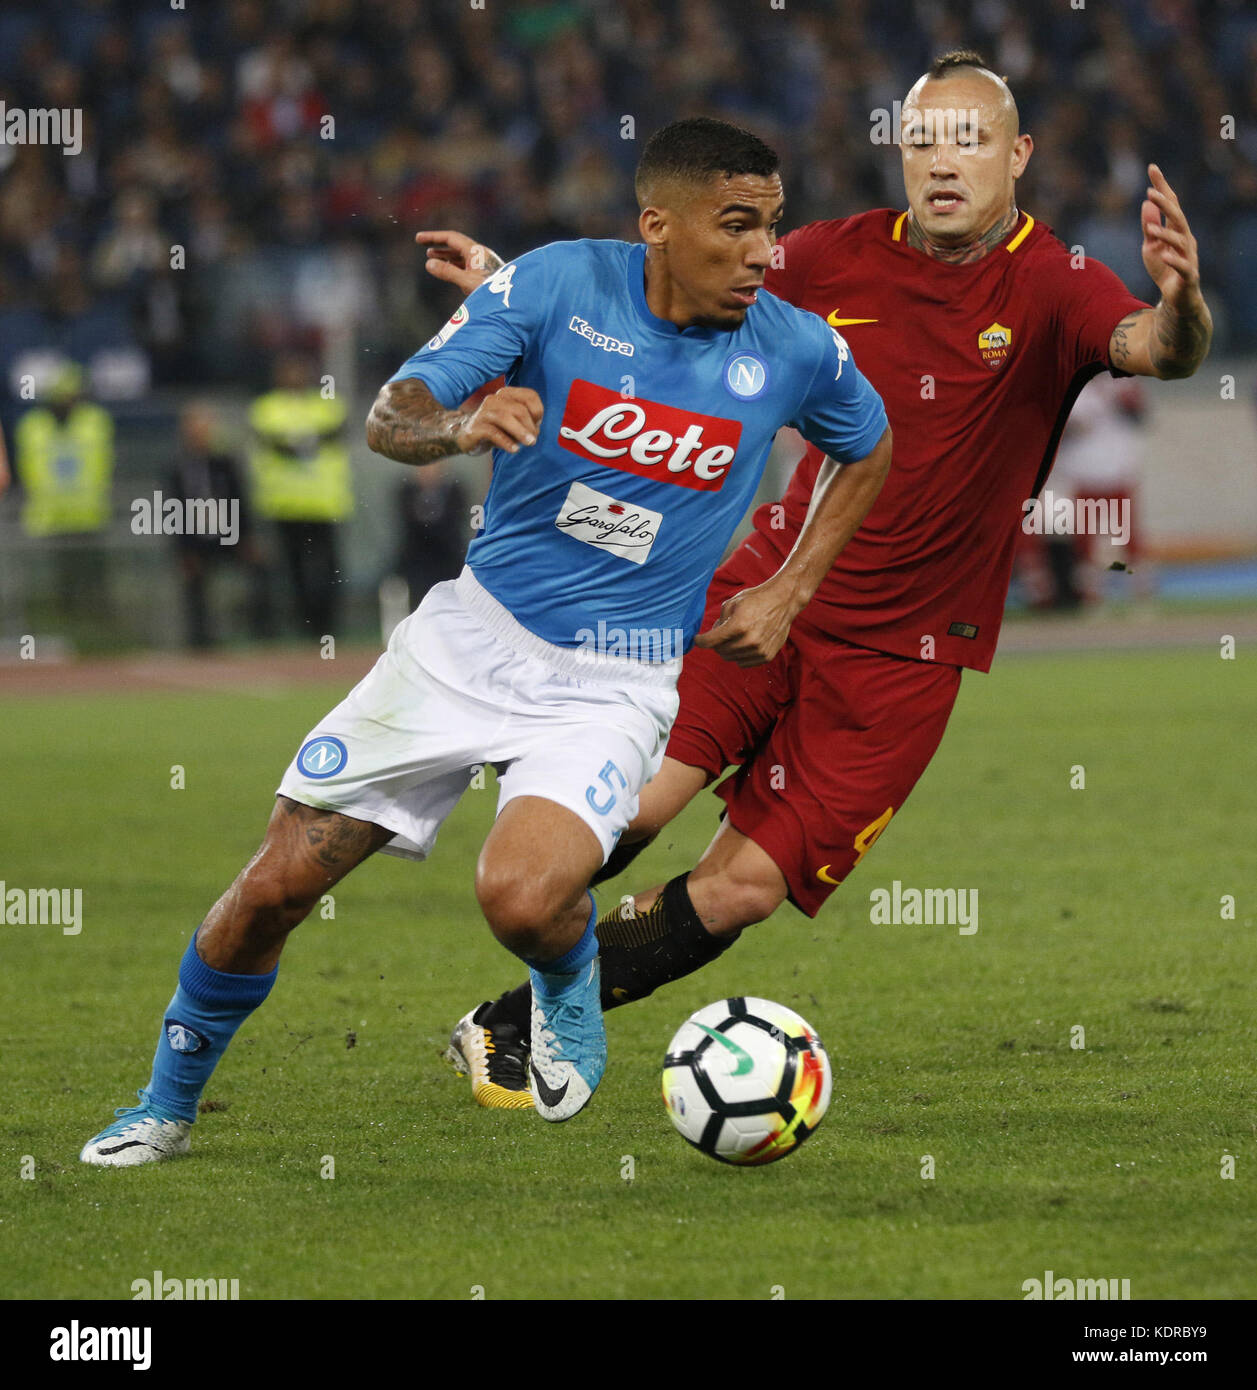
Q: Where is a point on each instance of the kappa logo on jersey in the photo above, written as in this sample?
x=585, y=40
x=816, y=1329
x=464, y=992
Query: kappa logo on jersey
x=844, y=352
x=994, y=344
x=600, y=340
x=459, y=318
x=647, y=438
x=322, y=757
x=182, y=1038
x=625, y=529
x=746, y=376
x=501, y=283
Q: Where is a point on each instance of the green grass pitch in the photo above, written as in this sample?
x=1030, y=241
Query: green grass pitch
x=1099, y=907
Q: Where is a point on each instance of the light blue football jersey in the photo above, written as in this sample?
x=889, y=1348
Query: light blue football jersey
x=653, y=439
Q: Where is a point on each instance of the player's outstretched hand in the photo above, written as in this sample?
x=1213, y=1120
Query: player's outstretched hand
x=753, y=625
x=505, y=420
x=455, y=257
x=1169, y=249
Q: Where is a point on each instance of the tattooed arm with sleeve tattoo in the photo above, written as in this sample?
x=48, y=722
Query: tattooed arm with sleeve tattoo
x=409, y=424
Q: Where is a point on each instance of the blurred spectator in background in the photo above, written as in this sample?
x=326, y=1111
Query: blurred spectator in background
x=301, y=483
x=203, y=470
x=1099, y=462
x=64, y=456
x=205, y=135
x=250, y=175
x=435, y=526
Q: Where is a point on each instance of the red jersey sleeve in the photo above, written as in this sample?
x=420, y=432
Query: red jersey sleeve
x=1090, y=302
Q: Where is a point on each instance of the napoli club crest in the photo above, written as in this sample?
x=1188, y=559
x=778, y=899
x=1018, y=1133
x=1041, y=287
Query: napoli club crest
x=746, y=375
x=182, y=1038
x=321, y=757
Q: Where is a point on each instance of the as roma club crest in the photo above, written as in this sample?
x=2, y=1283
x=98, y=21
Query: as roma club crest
x=995, y=343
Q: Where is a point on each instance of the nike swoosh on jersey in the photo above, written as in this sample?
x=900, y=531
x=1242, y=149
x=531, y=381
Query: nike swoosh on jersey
x=547, y=1097
x=835, y=322
x=824, y=877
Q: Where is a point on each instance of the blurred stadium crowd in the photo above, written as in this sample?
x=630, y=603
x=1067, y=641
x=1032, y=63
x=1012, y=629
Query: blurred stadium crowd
x=236, y=226
x=206, y=128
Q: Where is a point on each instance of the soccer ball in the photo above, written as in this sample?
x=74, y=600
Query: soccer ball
x=746, y=1081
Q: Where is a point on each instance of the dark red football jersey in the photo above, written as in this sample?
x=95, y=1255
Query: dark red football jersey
x=978, y=366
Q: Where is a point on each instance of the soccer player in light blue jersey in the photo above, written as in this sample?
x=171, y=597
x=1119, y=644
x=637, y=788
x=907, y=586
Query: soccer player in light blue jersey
x=644, y=387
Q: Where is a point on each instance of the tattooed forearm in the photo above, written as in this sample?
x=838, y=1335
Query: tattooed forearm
x=1161, y=342
x=1120, y=345
x=408, y=423
x=1181, y=340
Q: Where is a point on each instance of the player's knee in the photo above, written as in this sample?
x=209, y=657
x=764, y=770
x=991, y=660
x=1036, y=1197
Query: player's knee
x=522, y=910
x=756, y=902
x=729, y=901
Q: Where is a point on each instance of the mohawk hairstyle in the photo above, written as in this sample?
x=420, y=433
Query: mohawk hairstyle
x=692, y=151
x=947, y=63
x=957, y=58
x=969, y=60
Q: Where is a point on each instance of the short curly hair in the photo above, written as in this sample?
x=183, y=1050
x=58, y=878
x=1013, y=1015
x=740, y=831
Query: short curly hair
x=692, y=151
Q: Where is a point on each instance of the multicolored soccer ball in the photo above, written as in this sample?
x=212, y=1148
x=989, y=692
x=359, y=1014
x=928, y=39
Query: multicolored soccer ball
x=746, y=1081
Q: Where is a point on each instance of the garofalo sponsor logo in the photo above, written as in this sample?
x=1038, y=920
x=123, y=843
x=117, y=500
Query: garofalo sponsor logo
x=170, y=1289
x=929, y=907
x=1058, y=1287
x=606, y=523
x=187, y=516
x=75, y=1343
x=42, y=907
x=42, y=126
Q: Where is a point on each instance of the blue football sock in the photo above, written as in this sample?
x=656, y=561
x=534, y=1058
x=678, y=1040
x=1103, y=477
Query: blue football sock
x=200, y=1021
x=571, y=962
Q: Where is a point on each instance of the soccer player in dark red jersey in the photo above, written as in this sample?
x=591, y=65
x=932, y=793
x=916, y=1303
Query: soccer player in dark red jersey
x=979, y=328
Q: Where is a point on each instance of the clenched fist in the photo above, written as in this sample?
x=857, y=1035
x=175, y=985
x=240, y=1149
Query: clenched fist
x=505, y=420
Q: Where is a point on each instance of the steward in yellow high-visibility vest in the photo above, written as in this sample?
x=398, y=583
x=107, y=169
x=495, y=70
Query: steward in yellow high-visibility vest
x=64, y=458
x=300, y=459
x=301, y=485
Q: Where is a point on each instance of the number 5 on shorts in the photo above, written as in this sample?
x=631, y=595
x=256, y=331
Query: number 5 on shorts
x=591, y=792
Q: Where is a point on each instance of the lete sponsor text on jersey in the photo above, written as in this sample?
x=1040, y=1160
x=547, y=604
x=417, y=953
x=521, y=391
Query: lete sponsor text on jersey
x=645, y=437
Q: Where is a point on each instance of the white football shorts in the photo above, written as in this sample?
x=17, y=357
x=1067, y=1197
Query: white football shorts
x=462, y=685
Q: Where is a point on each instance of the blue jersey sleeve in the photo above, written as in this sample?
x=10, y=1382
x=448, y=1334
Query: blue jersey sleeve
x=841, y=413
x=490, y=332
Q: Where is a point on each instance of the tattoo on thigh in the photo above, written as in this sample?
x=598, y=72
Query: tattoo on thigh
x=338, y=842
